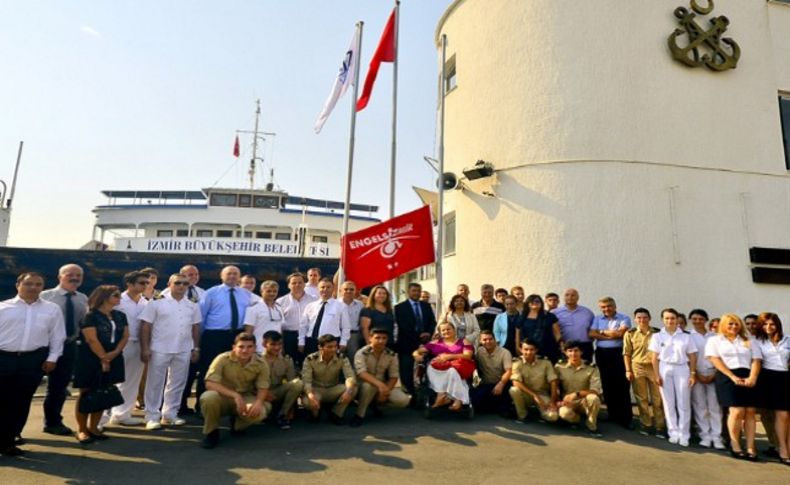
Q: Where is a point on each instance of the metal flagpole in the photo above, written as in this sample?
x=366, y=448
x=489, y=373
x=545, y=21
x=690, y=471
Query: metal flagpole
x=391, y=283
x=440, y=231
x=350, y=169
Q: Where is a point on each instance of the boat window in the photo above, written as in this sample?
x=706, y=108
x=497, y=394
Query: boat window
x=245, y=200
x=263, y=235
x=182, y=233
x=245, y=234
x=283, y=236
x=223, y=200
x=223, y=233
x=266, y=202
x=164, y=233
x=204, y=233
x=320, y=239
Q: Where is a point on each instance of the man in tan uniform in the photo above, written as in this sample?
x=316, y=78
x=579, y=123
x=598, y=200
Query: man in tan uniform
x=493, y=366
x=639, y=372
x=534, y=383
x=285, y=385
x=581, y=387
x=321, y=375
x=377, y=368
x=237, y=385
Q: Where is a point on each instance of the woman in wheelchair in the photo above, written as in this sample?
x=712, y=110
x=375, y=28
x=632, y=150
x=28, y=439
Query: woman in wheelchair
x=451, y=365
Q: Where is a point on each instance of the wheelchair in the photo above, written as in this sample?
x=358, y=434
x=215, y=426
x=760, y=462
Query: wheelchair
x=426, y=396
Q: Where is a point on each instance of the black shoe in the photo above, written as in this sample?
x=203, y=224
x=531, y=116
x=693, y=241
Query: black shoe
x=661, y=434
x=233, y=430
x=356, y=421
x=594, y=433
x=335, y=419
x=59, y=430
x=738, y=455
x=186, y=412
x=12, y=451
x=376, y=412
x=19, y=440
x=210, y=440
x=644, y=431
x=771, y=452
x=283, y=422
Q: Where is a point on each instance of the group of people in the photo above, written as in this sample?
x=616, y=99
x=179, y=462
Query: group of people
x=253, y=355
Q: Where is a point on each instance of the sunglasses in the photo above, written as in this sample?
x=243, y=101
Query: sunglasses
x=181, y=283
x=144, y=282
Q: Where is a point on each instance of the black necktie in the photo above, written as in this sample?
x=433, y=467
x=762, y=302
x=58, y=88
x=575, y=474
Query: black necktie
x=317, y=327
x=191, y=294
x=234, y=311
x=69, y=315
x=417, y=315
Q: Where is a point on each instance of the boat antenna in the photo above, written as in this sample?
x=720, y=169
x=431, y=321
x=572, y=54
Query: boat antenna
x=256, y=136
x=16, y=172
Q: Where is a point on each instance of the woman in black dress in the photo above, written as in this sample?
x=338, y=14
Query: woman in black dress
x=100, y=355
x=542, y=327
x=378, y=314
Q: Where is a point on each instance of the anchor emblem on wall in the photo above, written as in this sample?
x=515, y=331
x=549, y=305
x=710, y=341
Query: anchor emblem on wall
x=703, y=47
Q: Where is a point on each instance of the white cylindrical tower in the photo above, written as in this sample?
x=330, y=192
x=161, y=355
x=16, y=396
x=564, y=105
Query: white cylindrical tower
x=618, y=170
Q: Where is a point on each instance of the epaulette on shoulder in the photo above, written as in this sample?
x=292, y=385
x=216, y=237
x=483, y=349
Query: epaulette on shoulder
x=312, y=356
x=158, y=297
x=390, y=352
x=632, y=330
x=590, y=364
x=562, y=362
x=367, y=349
x=654, y=330
x=287, y=358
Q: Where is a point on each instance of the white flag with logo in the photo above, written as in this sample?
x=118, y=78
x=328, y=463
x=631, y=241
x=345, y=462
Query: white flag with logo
x=345, y=78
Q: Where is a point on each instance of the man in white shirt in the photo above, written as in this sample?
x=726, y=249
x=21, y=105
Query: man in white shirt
x=170, y=340
x=325, y=316
x=194, y=292
x=313, y=277
x=32, y=333
x=348, y=292
x=132, y=305
x=265, y=316
x=293, y=305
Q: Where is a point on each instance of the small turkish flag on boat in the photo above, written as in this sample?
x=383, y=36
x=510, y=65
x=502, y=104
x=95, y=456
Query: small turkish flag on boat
x=236, y=150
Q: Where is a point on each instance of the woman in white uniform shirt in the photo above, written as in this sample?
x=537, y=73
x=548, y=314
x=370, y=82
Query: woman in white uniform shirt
x=736, y=357
x=773, y=384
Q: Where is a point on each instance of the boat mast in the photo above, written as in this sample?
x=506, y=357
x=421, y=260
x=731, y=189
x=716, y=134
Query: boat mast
x=256, y=135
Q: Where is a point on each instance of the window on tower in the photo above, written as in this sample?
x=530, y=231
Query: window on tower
x=784, y=112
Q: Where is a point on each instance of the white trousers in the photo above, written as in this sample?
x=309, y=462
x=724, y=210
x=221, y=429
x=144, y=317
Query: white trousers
x=133, y=369
x=450, y=382
x=677, y=399
x=707, y=413
x=162, y=367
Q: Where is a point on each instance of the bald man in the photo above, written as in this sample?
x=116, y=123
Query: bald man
x=223, y=308
x=575, y=321
x=194, y=292
x=74, y=306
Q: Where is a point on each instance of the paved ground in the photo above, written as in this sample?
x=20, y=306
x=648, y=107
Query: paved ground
x=401, y=446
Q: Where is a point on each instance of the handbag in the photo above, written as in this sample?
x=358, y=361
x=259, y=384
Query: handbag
x=464, y=367
x=103, y=396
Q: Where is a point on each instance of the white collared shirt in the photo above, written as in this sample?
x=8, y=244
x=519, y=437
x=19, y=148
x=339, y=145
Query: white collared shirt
x=312, y=290
x=354, y=309
x=197, y=293
x=736, y=354
x=171, y=324
x=24, y=328
x=264, y=318
x=775, y=356
x=132, y=310
x=293, y=310
x=672, y=348
x=335, y=320
x=704, y=366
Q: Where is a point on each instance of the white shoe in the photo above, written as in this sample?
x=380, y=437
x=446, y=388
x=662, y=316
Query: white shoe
x=719, y=445
x=673, y=440
x=130, y=421
x=684, y=443
x=174, y=421
x=152, y=426
x=706, y=443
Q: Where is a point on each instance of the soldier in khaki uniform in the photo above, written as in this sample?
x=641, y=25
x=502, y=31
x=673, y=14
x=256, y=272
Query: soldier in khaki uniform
x=535, y=383
x=285, y=385
x=377, y=368
x=321, y=375
x=237, y=385
x=581, y=385
x=639, y=372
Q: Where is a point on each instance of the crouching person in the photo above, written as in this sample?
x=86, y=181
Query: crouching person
x=377, y=368
x=321, y=374
x=237, y=385
x=534, y=383
x=285, y=385
x=581, y=387
x=494, y=367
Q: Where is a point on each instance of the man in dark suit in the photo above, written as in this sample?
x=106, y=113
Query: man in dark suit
x=416, y=323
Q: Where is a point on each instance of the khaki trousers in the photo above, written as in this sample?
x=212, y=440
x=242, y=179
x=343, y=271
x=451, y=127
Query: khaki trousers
x=288, y=393
x=648, y=396
x=330, y=395
x=214, y=406
x=522, y=401
x=368, y=392
x=589, y=406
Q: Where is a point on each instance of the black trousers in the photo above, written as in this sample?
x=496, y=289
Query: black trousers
x=20, y=375
x=212, y=343
x=291, y=346
x=57, y=382
x=616, y=389
x=406, y=369
x=310, y=346
x=484, y=401
x=193, y=370
x=587, y=351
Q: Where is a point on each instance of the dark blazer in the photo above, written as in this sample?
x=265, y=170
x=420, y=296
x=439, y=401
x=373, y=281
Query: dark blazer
x=408, y=337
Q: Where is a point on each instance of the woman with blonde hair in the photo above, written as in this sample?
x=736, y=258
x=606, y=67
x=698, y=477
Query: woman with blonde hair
x=451, y=366
x=737, y=358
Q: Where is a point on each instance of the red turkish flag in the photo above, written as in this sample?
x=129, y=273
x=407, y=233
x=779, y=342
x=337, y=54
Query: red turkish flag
x=389, y=249
x=385, y=52
x=236, y=150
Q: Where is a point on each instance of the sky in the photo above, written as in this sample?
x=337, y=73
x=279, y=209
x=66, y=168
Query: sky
x=147, y=94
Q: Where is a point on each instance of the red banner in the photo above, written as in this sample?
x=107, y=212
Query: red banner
x=389, y=249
